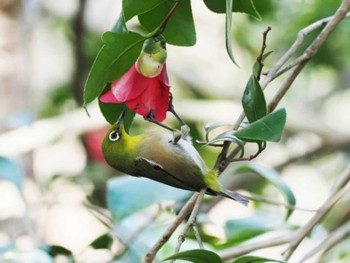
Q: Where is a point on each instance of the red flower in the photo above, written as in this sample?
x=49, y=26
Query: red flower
x=145, y=87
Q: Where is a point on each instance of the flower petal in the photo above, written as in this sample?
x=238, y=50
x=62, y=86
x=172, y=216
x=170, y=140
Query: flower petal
x=155, y=97
x=108, y=97
x=130, y=85
x=163, y=76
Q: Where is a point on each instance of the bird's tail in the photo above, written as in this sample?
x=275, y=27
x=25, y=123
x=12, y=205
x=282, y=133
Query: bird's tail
x=235, y=196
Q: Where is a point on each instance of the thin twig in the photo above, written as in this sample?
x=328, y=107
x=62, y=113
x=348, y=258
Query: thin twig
x=186, y=209
x=260, y=58
x=330, y=241
x=197, y=235
x=190, y=221
x=322, y=211
x=237, y=251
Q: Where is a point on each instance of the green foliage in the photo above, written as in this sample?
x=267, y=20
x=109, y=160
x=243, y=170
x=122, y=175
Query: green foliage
x=268, y=128
x=197, y=256
x=124, y=198
x=103, y=241
x=111, y=112
x=253, y=100
x=180, y=30
x=117, y=55
x=228, y=30
x=242, y=6
x=133, y=8
x=273, y=177
x=254, y=259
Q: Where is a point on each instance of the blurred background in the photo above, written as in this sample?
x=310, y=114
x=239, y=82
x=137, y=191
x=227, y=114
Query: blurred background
x=53, y=179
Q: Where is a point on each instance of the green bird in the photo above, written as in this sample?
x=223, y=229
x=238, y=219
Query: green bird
x=155, y=155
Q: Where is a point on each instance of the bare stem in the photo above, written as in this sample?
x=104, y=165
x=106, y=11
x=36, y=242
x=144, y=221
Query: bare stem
x=178, y=220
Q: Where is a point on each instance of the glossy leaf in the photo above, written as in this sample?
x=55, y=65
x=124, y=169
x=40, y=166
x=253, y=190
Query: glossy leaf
x=268, y=128
x=133, y=8
x=180, y=30
x=241, y=6
x=11, y=171
x=111, y=112
x=228, y=31
x=273, y=177
x=253, y=259
x=103, y=241
x=127, y=195
x=117, y=55
x=253, y=100
x=197, y=256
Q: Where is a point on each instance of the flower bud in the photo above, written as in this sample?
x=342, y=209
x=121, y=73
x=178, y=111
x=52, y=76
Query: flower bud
x=152, y=58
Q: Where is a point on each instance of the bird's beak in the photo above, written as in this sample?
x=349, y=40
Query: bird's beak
x=120, y=119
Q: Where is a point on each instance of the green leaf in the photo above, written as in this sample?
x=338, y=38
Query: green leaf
x=228, y=31
x=268, y=128
x=103, y=241
x=180, y=30
x=117, y=55
x=197, y=256
x=253, y=259
x=241, y=6
x=253, y=100
x=273, y=177
x=111, y=112
x=133, y=8
x=127, y=195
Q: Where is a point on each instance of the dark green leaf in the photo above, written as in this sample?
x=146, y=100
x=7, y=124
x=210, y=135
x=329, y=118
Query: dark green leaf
x=197, y=256
x=103, y=241
x=11, y=171
x=253, y=259
x=111, y=112
x=253, y=100
x=180, y=29
x=273, y=177
x=127, y=195
x=268, y=128
x=133, y=8
x=118, y=54
x=242, y=6
x=228, y=31
x=58, y=250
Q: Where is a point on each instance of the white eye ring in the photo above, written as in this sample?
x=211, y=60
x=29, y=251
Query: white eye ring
x=114, y=136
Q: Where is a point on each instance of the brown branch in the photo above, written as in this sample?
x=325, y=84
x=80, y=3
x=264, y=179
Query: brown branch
x=330, y=241
x=341, y=188
x=178, y=220
x=260, y=58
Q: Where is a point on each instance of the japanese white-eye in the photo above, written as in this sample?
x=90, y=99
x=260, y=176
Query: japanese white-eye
x=157, y=156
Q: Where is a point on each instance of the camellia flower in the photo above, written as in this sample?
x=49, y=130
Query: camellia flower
x=145, y=87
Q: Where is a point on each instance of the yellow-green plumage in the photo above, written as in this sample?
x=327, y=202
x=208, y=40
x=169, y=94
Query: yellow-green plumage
x=155, y=156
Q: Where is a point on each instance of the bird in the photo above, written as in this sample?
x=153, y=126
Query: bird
x=157, y=156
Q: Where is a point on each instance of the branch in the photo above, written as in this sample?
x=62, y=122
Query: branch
x=191, y=221
x=330, y=241
x=341, y=188
x=178, y=220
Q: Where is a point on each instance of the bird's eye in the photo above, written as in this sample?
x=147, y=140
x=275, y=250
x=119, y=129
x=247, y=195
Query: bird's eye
x=114, y=136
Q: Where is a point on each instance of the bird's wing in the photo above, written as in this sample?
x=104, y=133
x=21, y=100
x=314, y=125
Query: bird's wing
x=153, y=170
